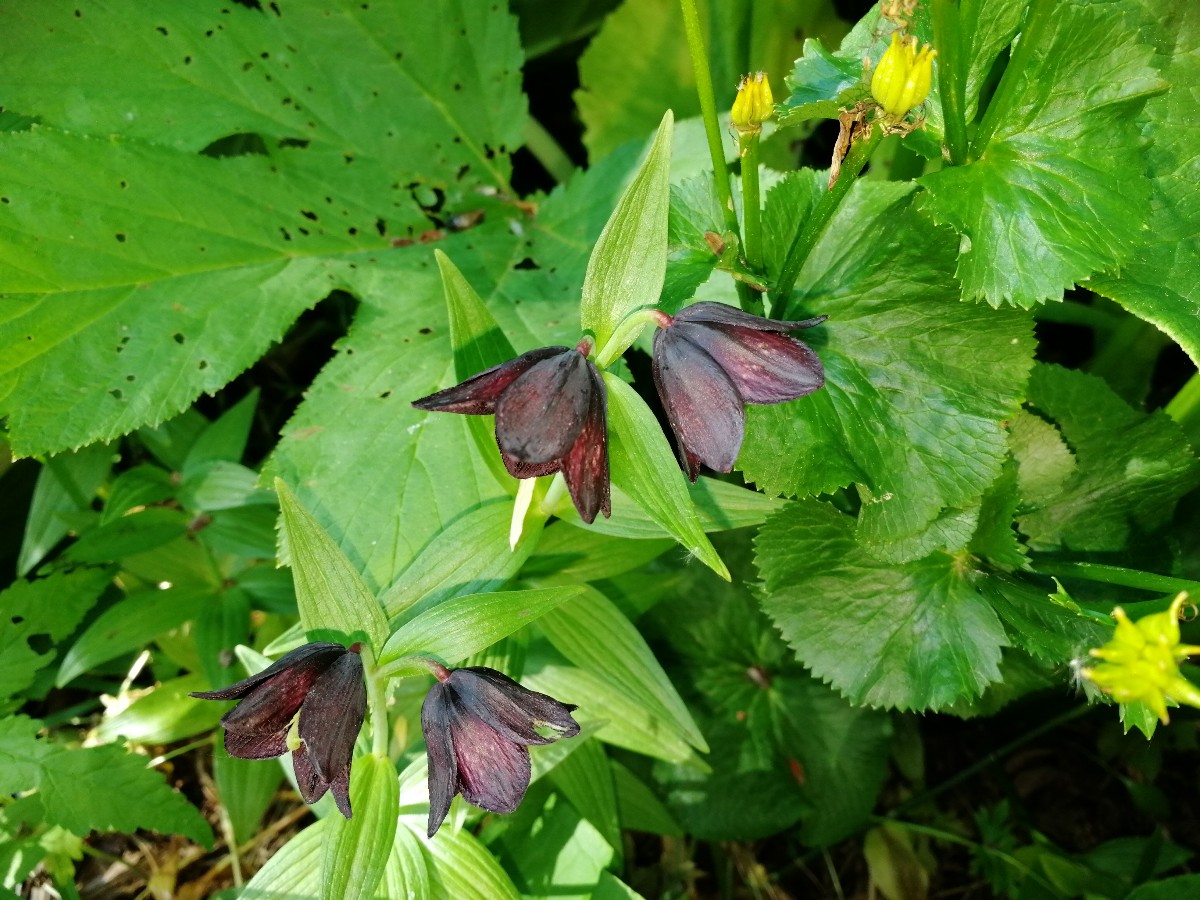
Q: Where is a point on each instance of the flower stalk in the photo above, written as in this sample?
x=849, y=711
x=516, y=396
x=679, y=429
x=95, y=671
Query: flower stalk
x=947, y=37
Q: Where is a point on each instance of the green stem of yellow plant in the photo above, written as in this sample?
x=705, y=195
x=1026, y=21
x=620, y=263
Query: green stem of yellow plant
x=1040, y=14
x=1121, y=577
x=751, y=212
x=712, y=128
x=814, y=226
x=947, y=39
x=1184, y=407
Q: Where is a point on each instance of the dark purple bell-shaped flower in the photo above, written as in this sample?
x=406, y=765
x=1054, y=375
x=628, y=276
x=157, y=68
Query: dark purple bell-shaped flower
x=477, y=724
x=323, y=682
x=551, y=415
x=710, y=360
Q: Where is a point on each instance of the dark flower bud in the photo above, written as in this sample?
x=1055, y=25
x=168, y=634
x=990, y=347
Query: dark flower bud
x=323, y=682
x=477, y=724
x=551, y=416
x=710, y=361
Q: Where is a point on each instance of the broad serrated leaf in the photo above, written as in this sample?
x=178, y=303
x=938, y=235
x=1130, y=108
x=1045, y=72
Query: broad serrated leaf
x=1049, y=201
x=108, y=789
x=50, y=606
x=357, y=850
x=593, y=634
x=1161, y=282
x=329, y=589
x=456, y=628
x=131, y=278
x=1130, y=468
x=912, y=636
x=904, y=361
x=629, y=259
x=644, y=467
x=21, y=754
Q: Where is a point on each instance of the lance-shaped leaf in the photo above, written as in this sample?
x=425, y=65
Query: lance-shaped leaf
x=357, y=850
x=329, y=589
x=629, y=261
x=1054, y=194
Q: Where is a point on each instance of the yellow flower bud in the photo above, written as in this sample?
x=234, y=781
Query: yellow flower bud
x=1141, y=662
x=902, y=78
x=754, y=103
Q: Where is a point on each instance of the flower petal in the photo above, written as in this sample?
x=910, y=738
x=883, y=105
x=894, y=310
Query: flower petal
x=443, y=770
x=332, y=716
x=312, y=786
x=702, y=404
x=710, y=313
x=340, y=788
x=765, y=367
x=585, y=467
x=518, y=469
x=541, y=414
x=510, y=708
x=493, y=772
x=317, y=654
x=479, y=393
x=255, y=745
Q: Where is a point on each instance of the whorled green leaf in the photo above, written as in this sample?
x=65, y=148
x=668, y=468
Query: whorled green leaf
x=1129, y=468
x=224, y=439
x=913, y=636
x=592, y=633
x=644, y=467
x=164, y=713
x=568, y=555
x=1049, y=200
x=65, y=485
x=329, y=589
x=357, y=850
x=586, y=780
x=52, y=606
x=463, y=869
x=629, y=260
x=639, y=806
x=917, y=383
x=1160, y=282
x=294, y=870
x=131, y=278
x=456, y=628
x=246, y=788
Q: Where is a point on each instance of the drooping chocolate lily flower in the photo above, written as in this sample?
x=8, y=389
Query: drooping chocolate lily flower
x=551, y=415
x=478, y=724
x=323, y=682
x=710, y=360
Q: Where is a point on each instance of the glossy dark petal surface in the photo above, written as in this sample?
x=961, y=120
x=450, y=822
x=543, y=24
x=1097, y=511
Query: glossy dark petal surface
x=443, y=770
x=509, y=708
x=585, y=467
x=332, y=716
x=493, y=772
x=703, y=406
x=765, y=367
x=312, y=786
x=316, y=656
x=255, y=745
x=711, y=313
x=479, y=393
x=539, y=416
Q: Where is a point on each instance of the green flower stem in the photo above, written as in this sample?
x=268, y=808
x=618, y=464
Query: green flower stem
x=1184, y=407
x=1121, y=577
x=377, y=680
x=547, y=151
x=1039, y=16
x=751, y=212
x=712, y=130
x=808, y=233
x=626, y=333
x=947, y=39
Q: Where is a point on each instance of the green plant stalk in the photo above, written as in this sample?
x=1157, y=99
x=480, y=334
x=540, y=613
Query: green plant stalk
x=712, y=130
x=751, y=206
x=808, y=233
x=547, y=151
x=1184, y=407
x=947, y=39
x=1121, y=577
x=376, y=699
x=1039, y=16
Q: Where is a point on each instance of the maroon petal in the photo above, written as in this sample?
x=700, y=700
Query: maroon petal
x=479, y=393
x=312, y=786
x=509, y=708
x=518, y=469
x=702, y=404
x=585, y=467
x=340, y=788
x=541, y=414
x=493, y=772
x=764, y=366
x=711, y=313
x=252, y=745
x=332, y=716
x=443, y=770
x=318, y=655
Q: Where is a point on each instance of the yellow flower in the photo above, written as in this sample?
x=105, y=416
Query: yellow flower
x=754, y=103
x=902, y=78
x=1141, y=662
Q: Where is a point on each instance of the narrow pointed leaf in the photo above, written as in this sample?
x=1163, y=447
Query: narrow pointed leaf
x=329, y=590
x=358, y=849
